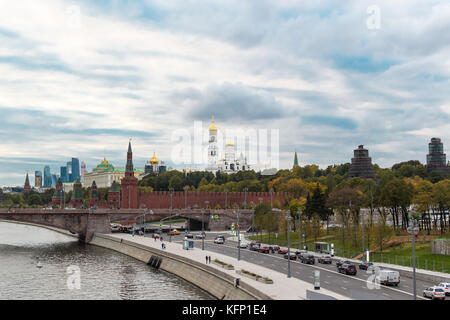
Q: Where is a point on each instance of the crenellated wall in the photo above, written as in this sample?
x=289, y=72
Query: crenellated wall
x=191, y=199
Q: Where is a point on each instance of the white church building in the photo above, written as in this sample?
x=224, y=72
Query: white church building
x=229, y=163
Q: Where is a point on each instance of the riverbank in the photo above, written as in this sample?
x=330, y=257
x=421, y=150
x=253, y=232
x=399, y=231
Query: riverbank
x=65, y=232
x=217, y=281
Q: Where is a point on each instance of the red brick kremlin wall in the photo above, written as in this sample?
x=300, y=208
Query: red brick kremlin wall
x=161, y=199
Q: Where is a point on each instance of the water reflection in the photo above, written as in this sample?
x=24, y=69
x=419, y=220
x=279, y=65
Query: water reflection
x=105, y=274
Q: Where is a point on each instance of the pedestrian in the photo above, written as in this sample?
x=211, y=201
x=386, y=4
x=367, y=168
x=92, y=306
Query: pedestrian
x=209, y=259
x=206, y=259
x=161, y=238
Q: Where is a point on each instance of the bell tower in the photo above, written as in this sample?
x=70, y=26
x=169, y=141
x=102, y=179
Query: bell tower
x=212, y=148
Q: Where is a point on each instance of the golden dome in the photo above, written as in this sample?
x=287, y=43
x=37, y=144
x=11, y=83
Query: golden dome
x=154, y=160
x=213, y=127
x=230, y=144
x=105, y=162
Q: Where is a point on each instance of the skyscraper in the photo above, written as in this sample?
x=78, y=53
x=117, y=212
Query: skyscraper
x=75, y=169
x=69, y=172
x=361, y=164
x=436, y=158
x=54, y=180
x=38, y=179
x=47, y=177
x=63, y=173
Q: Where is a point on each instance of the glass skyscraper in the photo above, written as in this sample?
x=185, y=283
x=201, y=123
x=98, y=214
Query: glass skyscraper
x=75, y=169
x=38, y=179
x=63, y=173
x=47, y=177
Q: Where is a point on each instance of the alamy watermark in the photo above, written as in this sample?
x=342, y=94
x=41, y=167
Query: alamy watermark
x=373, y=21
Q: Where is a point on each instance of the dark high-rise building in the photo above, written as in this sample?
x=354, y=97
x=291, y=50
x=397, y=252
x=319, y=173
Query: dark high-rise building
x=75, y=169
x=361, y=164
x=47, y=177
x=436, y=158
x=38, y=179
x=63, y=174
x=54, y=180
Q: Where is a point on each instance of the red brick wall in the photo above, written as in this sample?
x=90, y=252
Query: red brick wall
x=161, y=199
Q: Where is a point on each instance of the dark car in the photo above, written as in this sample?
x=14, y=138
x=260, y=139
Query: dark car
x=347, y=269
x=275, y=248
x=307, y=258
x=299, y=252
x=324, y=259
x=282, y=251
x=341, y=262
x=264, y=250
x=190, y=236
x=293, y=256
x=254, y=247
x=365, y=265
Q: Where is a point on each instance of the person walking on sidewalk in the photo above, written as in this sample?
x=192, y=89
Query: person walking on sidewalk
x=209, y=259
x=206, y=259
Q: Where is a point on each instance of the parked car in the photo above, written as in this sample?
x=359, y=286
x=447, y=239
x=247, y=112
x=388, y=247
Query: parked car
x=219, y=240
x=434, y=293
x=324, y=259
x=264, y=250
x=275, y=248
x=293, y=256
x=282, y=251
x=366, y=265
x=299, y=252
x=307, y=258
x=445, y=286
x=341, y=262
x=387, y=277
x=347, y=269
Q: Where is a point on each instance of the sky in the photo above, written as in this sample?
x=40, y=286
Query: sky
x=80, y=78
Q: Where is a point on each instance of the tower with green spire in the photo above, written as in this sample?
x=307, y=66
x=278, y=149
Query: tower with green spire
x=77, y=195
x=295, y=160
x=26, y=187
x=129, y=184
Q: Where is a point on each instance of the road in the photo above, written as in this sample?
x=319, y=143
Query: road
x=356, y=287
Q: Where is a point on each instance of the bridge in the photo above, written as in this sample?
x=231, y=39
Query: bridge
x=86, y=222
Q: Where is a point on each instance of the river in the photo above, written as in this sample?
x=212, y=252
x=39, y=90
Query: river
x=103, y=274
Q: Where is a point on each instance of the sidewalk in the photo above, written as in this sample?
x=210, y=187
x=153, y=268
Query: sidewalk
x=283, y=288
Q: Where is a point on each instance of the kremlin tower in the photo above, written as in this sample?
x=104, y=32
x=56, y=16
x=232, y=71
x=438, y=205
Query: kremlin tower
x=129, y=184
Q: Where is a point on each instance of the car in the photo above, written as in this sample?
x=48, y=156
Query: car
x=219, y=240
x=307, y=258
x=174, y=233
x=434, y=293
x=341, y=262
x=347, y=269
x=282, y=251
x=293, y=256
x=254, y=247
x=243, y=245
x=190, y=236
x=200, y=236
x=445, y=286
x=299, y=252
x=275, y=248
x=264, y=250
x=366, y=265
x=48, y=208
x=324, y=259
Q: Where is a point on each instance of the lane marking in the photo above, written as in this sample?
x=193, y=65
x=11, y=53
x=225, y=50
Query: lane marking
x=337, y=273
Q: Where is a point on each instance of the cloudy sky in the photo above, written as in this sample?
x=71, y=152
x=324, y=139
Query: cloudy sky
x=79, y=78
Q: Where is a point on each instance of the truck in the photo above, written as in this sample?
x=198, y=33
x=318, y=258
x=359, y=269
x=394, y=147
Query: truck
x=388, y=277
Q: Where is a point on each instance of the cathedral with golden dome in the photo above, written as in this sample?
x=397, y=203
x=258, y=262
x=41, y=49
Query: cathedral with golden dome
x=154, y=166
x=229, y=163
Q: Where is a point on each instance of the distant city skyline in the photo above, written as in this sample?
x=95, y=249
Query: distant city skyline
x=163, y=65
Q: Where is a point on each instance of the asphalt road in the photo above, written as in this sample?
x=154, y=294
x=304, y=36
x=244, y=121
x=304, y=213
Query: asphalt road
x=356, y=287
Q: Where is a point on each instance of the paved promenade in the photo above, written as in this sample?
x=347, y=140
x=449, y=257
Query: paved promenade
x=283, y=288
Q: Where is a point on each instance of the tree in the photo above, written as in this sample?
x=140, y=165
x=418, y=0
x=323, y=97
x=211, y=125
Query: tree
x=397, y=194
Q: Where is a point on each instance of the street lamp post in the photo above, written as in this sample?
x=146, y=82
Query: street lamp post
x=245, y=197
x=253, y=221
x=300, y=229
x=362, y=222
x=288, y=218
x=239, y=235
x=414, y=230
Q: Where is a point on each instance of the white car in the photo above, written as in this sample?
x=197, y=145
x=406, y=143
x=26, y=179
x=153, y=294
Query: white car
x=434, y=293
x=200, y=236
x=445, y=286
x=243, y=245
x=219, y=241
x=388, y=277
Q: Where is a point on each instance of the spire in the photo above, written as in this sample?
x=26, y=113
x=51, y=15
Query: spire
x=296, y=160
x=129, y=146
x=27, y=180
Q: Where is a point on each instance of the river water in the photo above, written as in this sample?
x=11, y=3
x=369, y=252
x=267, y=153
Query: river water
x=103, y=274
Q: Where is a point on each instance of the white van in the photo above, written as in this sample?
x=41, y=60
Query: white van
x=388, y=277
